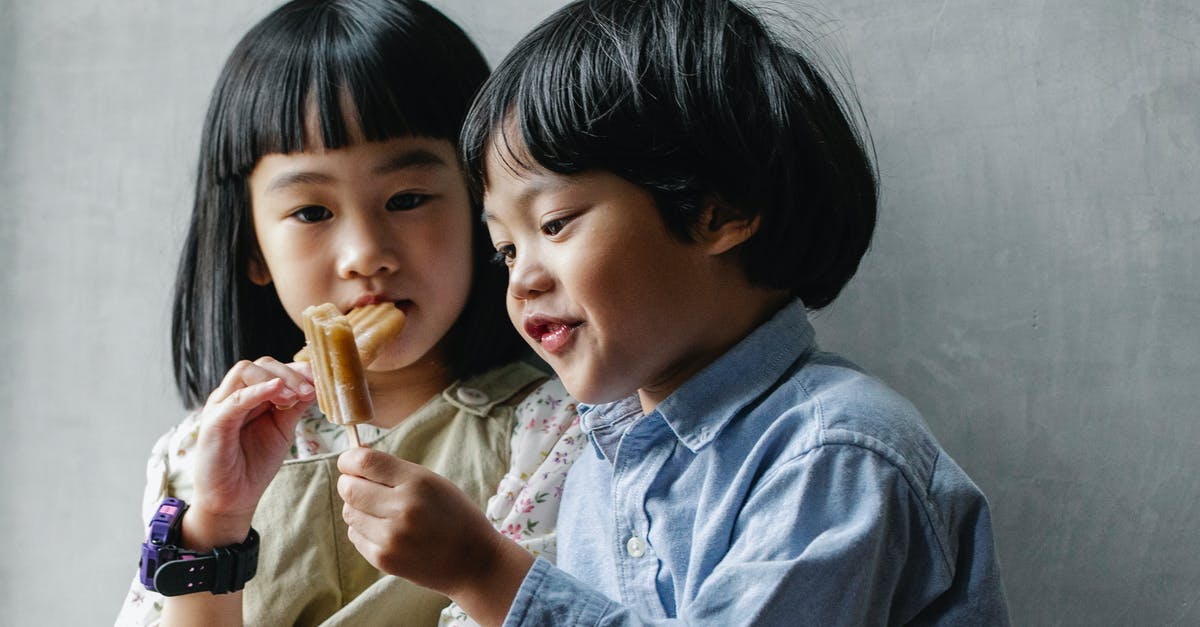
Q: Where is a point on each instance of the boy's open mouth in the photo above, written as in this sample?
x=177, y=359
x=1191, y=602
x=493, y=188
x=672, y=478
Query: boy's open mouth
x=552, y=334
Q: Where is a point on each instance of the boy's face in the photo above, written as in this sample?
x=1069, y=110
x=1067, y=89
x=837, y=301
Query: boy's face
x=597, y=284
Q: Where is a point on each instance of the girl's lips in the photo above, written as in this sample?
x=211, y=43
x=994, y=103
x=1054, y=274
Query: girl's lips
x=552, y=334
x=371, y=299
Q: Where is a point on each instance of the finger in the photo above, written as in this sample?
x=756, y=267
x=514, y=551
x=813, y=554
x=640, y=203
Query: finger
x=302, y=368
x=367, y=497
x=230, y=382
x=370, y=551
x=287, y=417
x=294, y=381
x=373, y=465
x=301, y=372
x=246, y=373
x=384, y=542
x=243, y=405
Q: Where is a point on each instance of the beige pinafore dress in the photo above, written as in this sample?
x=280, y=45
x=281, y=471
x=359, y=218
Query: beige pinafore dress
x=308, y=571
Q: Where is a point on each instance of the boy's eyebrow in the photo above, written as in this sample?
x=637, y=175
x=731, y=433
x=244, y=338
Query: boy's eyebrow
x=415, y=158
x=534, y=187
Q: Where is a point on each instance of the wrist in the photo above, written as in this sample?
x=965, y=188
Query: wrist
x=487, y=593
x=167, y=567
x=203, y=530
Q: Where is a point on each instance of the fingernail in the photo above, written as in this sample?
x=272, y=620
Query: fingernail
x=288, y=394
x=306, y=389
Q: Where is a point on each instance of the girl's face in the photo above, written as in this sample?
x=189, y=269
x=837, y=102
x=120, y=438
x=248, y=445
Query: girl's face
x=597, y=284
x=371, y=222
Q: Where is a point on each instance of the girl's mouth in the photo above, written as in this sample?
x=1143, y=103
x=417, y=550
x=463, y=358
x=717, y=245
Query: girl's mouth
x=402, y=304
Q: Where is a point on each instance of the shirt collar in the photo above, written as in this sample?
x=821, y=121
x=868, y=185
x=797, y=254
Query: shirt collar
x=701, y=408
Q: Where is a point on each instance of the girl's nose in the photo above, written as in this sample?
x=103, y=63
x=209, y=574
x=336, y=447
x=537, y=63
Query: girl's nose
x=366, y=249
x=528, y=277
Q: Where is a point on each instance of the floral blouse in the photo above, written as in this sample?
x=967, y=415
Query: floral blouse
x=545, y=441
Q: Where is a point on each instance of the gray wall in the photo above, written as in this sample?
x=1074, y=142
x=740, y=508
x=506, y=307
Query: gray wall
x=1032, y=286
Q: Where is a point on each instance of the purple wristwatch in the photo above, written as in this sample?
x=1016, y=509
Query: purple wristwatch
x=169, y=570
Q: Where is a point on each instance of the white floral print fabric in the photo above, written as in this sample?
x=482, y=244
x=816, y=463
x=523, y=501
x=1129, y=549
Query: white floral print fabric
x=545, y=442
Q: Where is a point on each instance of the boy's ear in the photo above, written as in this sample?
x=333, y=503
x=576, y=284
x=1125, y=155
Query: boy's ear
x=723, y=227
x=257, y=269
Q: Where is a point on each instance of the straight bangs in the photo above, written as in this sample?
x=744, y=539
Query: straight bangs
x=340, y=65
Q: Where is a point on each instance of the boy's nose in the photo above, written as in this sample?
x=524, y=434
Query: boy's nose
x=366, y=249
x=527, y=278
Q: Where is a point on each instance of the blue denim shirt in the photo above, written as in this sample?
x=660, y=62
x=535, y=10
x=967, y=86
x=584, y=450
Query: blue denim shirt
x=780, y=486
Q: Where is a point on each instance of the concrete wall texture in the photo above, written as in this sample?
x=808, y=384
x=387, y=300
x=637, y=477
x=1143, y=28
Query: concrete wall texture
x=1033, y=286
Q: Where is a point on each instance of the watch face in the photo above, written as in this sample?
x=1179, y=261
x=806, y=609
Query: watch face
x=169, y=508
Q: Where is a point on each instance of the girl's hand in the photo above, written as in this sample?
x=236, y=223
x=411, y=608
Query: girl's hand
x=246, y=428
x=410, y=522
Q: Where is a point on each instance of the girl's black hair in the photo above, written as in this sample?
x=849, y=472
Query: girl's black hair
x=698, y=103
x=408, y=71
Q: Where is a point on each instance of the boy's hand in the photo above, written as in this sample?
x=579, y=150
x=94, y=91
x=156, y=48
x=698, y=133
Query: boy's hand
x=410, y=522
x=246, y=428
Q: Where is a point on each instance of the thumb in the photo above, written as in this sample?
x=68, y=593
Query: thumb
x=287, y=417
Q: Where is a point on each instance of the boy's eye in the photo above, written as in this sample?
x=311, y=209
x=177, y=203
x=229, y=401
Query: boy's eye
x=405, y=202
x=312, y=213
x=504, y=255
x=554, y=227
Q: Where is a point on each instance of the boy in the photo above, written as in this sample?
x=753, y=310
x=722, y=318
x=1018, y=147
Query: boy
x=672, y=189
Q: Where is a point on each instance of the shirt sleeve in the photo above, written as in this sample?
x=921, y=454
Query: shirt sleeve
x=168, y=473
x=833, y=537
x=143, y=608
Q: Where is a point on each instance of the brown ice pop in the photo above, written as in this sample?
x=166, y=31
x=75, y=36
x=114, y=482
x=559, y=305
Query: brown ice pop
x=338, y=373
x=374, y=326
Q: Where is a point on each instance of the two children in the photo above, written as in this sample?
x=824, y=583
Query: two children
x=329, y=173
x=672, y=189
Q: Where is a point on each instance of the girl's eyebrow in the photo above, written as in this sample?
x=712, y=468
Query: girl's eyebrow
x=414, y=158
x=297, y=177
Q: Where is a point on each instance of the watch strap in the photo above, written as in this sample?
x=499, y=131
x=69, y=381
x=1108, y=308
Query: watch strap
x=224, y=569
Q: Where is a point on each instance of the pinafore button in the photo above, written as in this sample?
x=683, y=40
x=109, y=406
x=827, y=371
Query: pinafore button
x=471, y=396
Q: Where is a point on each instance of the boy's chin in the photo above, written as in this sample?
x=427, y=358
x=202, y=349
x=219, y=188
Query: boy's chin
x=592, y=392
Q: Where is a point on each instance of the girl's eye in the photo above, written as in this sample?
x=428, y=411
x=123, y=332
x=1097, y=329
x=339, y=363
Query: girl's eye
x=405, y=202
x=312, y=213
x=554, y=227
x=504, y=255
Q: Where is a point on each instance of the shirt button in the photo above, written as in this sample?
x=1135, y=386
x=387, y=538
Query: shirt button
x=636, y=547
x=471, y=396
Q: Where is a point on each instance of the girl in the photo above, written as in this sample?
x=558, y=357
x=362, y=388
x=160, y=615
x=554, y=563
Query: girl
x=673, y=189
x=329, y=173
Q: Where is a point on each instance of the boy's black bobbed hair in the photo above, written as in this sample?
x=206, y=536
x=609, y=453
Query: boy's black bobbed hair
x=393, y=68
x=697, y=102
